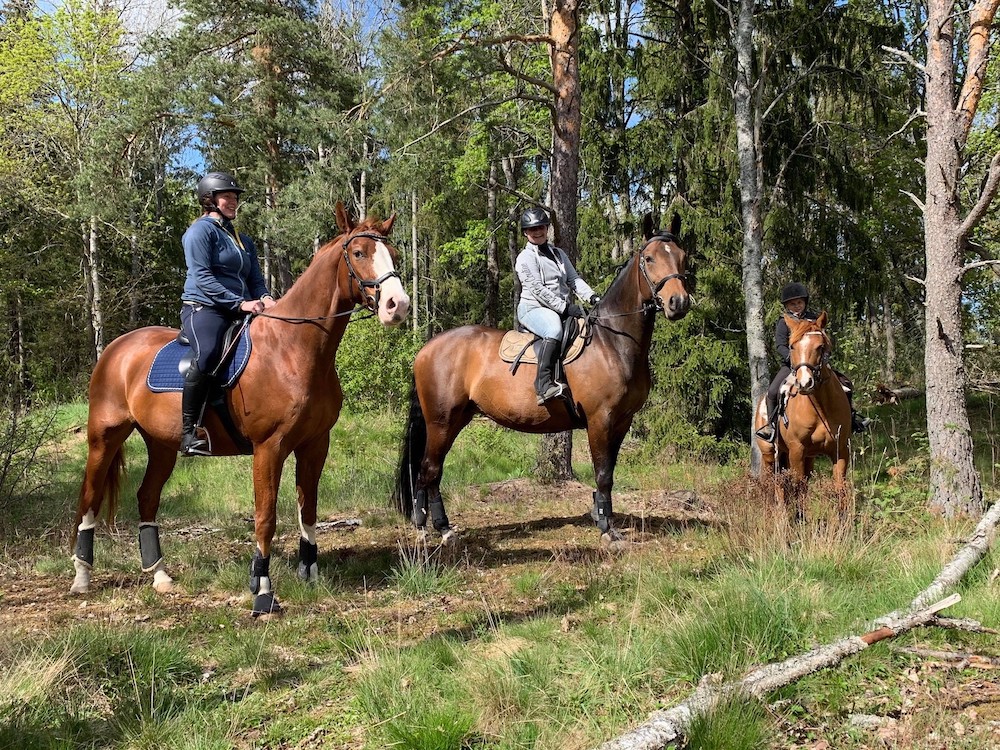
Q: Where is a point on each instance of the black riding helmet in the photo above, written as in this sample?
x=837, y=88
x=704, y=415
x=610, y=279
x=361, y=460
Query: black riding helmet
x=792, y=291
x=217, y=182
x=534, y=217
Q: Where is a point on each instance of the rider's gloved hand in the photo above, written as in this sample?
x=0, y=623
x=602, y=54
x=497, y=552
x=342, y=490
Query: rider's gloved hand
x=573, y=310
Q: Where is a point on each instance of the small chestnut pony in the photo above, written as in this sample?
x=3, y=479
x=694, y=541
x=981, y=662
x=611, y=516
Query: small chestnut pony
x=818, y=415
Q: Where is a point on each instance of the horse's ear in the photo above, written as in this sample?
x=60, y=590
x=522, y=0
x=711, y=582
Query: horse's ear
x=675, y=225
x=387, y=225
x=344, y=222
x=821, y=320
x=647, y=226
x=791, y=322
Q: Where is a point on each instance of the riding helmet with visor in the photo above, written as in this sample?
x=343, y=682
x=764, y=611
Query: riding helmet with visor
x=792, y=291
x=217, y=182
x=534, y=217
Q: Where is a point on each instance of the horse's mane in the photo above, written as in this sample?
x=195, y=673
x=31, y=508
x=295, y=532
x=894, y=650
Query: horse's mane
x=614, y=290
x=367, y=225
x=331, y=248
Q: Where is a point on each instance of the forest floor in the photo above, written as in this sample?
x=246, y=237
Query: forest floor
x=506, y=530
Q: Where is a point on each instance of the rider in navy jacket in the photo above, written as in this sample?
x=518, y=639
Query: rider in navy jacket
x=223, y=281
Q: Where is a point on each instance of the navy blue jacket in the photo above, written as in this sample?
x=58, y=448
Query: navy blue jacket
x=220, y=273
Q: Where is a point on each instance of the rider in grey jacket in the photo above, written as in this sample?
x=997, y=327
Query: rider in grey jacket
x=547, y=277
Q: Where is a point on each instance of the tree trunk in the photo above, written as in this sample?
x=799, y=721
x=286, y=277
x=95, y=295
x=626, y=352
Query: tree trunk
x=94, y=291
x=492, y=251
x=414, y=298
x=510, y=167
x=747, y=116
x=135, y=279
x=954, y=482
x=555, y=458
x=889, y=333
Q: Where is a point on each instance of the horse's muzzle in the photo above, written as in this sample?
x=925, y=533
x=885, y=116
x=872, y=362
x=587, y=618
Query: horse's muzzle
x=677, y=306
x=394, y=309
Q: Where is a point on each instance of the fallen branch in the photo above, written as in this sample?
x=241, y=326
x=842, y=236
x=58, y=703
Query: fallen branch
x=963, y=623
x=961, y=658
x=664, y=727
x=973, y=551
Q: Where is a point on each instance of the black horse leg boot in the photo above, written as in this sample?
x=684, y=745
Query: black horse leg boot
x=196, y=385
x=546, y=350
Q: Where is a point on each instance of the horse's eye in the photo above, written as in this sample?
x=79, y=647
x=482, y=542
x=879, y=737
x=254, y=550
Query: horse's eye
x=358, y=255
x=649, y=259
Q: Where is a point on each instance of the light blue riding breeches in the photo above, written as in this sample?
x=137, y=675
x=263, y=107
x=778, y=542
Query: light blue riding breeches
x=541, y=321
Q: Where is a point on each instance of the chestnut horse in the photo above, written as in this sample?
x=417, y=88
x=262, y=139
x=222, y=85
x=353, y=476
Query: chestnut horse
x=459, y=373
x=286, y=401
x=818, y=414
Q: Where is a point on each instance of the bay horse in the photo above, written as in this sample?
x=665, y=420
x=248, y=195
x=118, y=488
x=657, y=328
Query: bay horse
x=286, y=401
x=818, y=415
x=459, y=373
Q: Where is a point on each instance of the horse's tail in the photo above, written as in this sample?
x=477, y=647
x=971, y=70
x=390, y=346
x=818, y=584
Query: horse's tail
x=411, y=454
x=109, y=494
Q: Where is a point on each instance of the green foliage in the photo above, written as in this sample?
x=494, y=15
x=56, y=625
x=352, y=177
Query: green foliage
x=26, y=436
x=374, y=365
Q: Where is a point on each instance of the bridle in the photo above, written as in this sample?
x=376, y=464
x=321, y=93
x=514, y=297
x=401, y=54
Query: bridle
x=655, y=304
x=816, y=370
x=371, y=301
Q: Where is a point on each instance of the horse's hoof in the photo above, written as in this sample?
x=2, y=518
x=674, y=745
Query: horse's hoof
x=422, y=535
x=449, y=536
x=308, y=574
x=162, y=583
x=265, y=606
x=79, y=588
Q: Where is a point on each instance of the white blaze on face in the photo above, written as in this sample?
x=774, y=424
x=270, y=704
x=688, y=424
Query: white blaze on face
x=803, y=374
x=394, y=302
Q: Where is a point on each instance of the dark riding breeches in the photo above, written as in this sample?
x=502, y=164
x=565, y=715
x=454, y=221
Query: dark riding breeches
x=205, y=328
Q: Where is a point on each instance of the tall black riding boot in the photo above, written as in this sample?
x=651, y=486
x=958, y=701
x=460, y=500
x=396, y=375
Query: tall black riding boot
x=770, y=428
x=196, y=385
x=546, y=350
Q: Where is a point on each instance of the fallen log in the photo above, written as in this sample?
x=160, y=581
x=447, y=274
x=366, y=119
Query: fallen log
x=664, y=727
x=885, y=395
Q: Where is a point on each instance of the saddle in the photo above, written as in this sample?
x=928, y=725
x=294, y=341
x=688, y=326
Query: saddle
x=515, y=346
x=173, y=360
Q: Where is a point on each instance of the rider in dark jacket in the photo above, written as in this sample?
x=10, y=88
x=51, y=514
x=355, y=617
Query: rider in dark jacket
x=223, y=282
x=795, y=298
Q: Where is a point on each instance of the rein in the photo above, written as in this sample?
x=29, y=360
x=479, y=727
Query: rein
x=371, y=301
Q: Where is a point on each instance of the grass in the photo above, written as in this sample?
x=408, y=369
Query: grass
x=515, y=641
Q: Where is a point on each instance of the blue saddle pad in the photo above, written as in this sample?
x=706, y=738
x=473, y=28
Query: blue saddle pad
x=165, y=375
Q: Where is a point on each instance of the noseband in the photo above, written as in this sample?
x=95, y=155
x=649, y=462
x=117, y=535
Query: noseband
x=655, y=303
x=371, y=301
